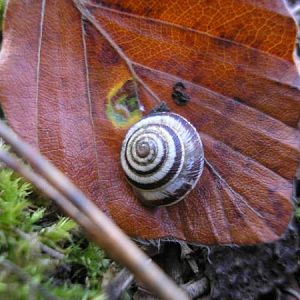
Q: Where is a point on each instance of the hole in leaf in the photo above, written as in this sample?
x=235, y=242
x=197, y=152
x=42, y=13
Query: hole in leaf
x=123, y=107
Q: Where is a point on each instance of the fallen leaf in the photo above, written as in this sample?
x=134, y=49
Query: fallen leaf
x=75, y=75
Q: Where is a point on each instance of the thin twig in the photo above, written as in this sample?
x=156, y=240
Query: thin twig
x=292, y=292
x=7, y=264
x=86, y=13
x=197, y=288
x=50, y=251
x=105, y=233
x=119, y=284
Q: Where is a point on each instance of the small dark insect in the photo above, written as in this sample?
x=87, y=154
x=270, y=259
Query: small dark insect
x=179, y=95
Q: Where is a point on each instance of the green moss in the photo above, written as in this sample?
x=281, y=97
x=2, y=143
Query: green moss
x=298, y=212
x=2, y=5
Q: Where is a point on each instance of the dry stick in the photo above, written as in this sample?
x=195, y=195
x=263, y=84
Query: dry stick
x=197, y=288
x=293, y=292
x=29, y=237
x=106, y=233
x=116, y=287
x=85, y=12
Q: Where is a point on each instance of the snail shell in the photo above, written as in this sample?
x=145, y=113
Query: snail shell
x=162, y=157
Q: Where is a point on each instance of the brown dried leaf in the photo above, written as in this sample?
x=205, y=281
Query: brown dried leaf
x=70, y=74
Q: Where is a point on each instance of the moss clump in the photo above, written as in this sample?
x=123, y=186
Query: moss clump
x=2, y=5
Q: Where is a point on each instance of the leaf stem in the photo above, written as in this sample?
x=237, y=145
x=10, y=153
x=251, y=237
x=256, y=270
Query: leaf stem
x=86, y=14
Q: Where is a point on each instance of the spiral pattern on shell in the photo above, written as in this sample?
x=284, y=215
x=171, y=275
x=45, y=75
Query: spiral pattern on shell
x=162, y=157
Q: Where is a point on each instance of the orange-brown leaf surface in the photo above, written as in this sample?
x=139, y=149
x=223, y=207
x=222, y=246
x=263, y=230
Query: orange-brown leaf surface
x=71, y=74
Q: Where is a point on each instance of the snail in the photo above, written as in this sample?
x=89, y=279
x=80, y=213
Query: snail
x=162, y=157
